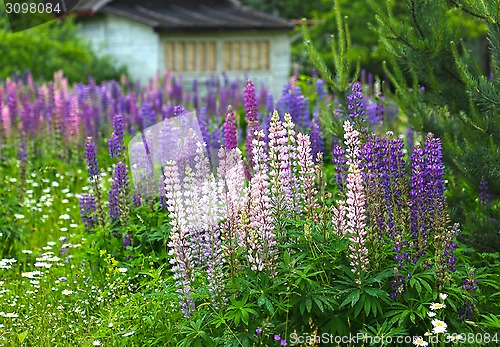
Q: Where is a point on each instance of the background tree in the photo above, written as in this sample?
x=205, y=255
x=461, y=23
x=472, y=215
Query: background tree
x=51, y=47
x=461, y=102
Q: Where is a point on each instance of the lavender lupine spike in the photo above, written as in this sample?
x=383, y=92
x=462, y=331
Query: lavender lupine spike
x=179, y=244
x=317, y=143
x=444, y=258
x=307, y=189
x=339, y=162
x=320, y=90
x=91, y=156
x=252, y=124
x=434, y=170
x=119, y=195
x=115, y=144
x=234, y=197
x=419, y=229
x=215, y=261
x=355, y=202
x=484, y=194
x=470, y=286
x=230, y=137
x=88, y=209
x=356, y=107
x=262, y=251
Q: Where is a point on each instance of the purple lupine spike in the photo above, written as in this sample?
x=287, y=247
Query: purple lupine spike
x=22, y=154
x=468, y=307
x=148, y=115
x=339, y=161
x=211, y=102
x=314, y=73
x=230, y=136
x=356, y=108
x=484, y=194
x=320, y=89
x=410, y=140
x=252, y=124
x=203, y=123
x=223, y=100
x=115, y=144
x=88, y=209
x=118, y=195
x=434, y=169
x=91, y=156
x=136, y=199
x=213, y=253
x=317, y=143
x=235, y=94
x=114, y=210
x=216, y=139
x=419, y=229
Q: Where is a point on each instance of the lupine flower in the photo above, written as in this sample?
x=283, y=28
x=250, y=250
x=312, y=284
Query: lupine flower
x=484, y=195
x=230, y=137
x=279, y=164
x=262, y=248
x=307, y=176
x=115, y=144
x=317, y=143
x=88, y=208
x=355, y=201
x=339, y=162
x=180, y=250
x=91, y=156
x=252, y=123
x=356, y=107
x=419, y=229
x=118, y=195
x=467, y=309
x=320, y=89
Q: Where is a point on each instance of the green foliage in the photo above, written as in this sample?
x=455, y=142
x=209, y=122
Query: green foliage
x=49, y=48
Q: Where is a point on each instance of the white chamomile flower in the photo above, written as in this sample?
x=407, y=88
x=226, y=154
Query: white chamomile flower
x=439, y=326
x=437, y=306
x=419, y=341
x=431, y=314
x=443, y=296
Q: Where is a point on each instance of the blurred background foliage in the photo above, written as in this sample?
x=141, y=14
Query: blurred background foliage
x=50, y=47
x=360, y=17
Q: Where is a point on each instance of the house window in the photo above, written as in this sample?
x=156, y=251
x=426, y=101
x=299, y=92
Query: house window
x=246, y=55
x=191, y=56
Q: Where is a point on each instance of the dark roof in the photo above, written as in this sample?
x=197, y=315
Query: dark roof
x=193, y=15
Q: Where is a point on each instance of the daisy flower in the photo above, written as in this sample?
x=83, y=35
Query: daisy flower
x=439, y=326
x=437, y=306
x=419, y=341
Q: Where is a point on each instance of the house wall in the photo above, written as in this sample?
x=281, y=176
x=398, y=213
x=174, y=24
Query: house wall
x=274, y=78
x=129, y=43
x=143, y=50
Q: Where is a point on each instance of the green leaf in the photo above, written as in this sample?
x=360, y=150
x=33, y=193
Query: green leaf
x=351, y=298
x=308, y=304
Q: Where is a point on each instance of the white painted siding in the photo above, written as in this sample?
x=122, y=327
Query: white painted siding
x=129, y=43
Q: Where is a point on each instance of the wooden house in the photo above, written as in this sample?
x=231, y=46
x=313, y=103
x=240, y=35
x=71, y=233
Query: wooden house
x=196, y=38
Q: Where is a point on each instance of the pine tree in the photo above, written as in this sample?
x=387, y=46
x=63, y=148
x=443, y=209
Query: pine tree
x=461, y=101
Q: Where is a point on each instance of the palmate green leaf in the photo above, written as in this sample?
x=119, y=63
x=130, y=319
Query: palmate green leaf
x=352, y=298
